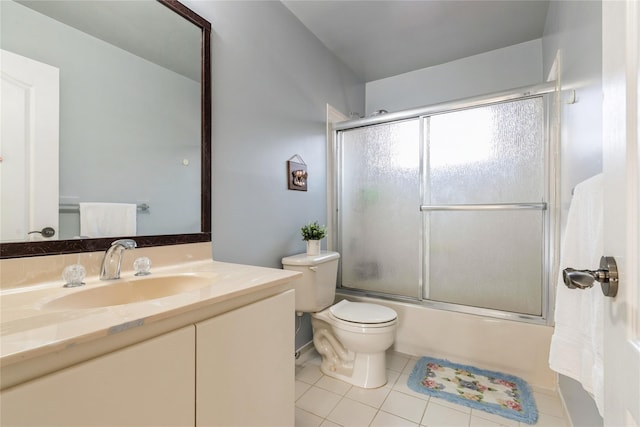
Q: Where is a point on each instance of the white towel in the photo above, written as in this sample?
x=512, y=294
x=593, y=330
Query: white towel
x=107, y=219
x=577, y=341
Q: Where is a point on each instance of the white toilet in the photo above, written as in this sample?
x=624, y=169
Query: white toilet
x=351, y=337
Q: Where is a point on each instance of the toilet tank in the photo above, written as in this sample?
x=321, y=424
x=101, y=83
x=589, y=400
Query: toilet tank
x=316, y=289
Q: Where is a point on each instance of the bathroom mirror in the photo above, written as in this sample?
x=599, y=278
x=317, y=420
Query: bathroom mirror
x=134, y=118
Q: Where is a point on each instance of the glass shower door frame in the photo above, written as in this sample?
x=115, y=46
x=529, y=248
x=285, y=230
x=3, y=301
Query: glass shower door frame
x=548, y=206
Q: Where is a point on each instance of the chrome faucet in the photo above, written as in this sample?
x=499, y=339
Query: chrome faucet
x=113, y=259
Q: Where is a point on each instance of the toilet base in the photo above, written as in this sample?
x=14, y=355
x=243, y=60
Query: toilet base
x=366, y=367
x=369, y=370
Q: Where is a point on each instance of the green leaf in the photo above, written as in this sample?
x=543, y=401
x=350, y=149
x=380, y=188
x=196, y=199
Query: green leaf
x=313, y=231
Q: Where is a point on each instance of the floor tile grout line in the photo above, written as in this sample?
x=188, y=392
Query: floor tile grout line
x=479, y=414
x=379, y=408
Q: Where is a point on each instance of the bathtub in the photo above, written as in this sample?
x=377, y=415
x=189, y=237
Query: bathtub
x=516, y=348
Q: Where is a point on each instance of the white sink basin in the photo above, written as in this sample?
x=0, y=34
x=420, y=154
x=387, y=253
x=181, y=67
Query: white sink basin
x=132, y=290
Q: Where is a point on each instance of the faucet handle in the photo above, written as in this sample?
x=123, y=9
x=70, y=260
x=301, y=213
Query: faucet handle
x=73, y=275
x=125, y=243
x=142, y=266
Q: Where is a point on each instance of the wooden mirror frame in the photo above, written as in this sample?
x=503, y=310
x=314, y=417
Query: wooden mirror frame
x=56, y=247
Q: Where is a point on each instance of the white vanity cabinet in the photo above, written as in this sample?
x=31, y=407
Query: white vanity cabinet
x=232, y=365
x=245, y=365
x=150, y=383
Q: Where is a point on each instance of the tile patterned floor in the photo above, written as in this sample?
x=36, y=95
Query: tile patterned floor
x=327, y=402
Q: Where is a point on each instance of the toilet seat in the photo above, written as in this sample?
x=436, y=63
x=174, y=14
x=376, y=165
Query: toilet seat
x=361, y=313
x=361, y=328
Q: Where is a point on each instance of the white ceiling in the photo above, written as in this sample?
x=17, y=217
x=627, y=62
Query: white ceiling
x=378, y=39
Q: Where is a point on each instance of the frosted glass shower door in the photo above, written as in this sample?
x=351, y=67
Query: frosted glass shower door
x=380, y=221
x=485, y=207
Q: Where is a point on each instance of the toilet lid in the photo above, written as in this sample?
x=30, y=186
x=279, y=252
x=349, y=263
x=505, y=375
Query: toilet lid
x=362, y=312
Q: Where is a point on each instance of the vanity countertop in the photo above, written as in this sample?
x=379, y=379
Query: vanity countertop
x=32, y=327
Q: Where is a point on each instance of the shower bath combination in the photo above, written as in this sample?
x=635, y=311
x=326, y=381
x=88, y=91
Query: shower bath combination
x=449, y=206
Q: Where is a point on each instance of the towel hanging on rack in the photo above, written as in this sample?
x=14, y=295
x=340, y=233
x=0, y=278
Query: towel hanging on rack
x=108, y=219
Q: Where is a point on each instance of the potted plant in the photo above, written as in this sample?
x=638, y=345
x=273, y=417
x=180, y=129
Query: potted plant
x=312, y=233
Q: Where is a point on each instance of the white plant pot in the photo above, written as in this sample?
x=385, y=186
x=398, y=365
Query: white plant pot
x=313, y=247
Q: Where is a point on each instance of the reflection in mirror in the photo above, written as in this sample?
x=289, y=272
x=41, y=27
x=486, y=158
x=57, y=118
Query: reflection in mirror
x=128, y=112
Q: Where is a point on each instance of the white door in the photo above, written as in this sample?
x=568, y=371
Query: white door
x=29, y=122
x=621, y=229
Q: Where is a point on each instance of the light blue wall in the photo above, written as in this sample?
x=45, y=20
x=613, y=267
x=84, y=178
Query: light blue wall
x=494, y=71
x=581, y=407
x=575, y=29
x=272, y=80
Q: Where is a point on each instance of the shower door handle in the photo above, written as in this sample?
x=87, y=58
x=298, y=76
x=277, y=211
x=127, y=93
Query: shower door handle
x=606, y=275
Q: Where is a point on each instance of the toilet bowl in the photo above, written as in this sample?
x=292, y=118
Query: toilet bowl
x=351, y=337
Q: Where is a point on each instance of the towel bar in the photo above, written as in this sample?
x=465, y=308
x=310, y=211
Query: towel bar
x=75, y=208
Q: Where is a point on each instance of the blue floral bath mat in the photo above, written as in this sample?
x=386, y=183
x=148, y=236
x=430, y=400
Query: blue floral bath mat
x=493, y=392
